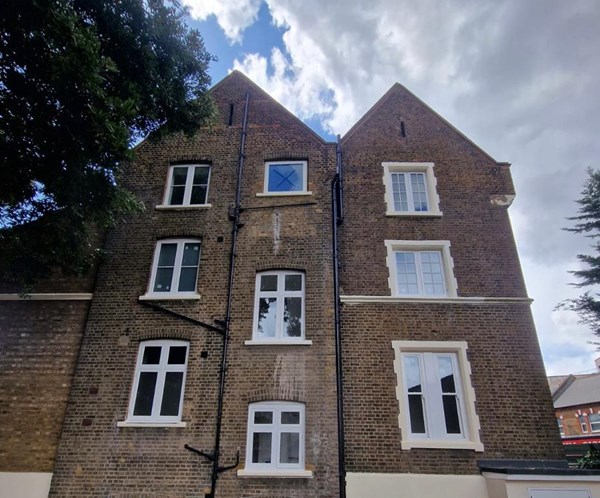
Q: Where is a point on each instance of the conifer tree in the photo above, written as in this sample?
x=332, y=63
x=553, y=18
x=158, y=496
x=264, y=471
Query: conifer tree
x=587, y=222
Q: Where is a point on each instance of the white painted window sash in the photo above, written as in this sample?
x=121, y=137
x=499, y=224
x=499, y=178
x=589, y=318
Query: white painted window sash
x=189, y=184
x=420, y=273
x=432, y=396
x=276, y=428
x=280, y=294
x=304, y=189
x=161, y=370
x=175, y=278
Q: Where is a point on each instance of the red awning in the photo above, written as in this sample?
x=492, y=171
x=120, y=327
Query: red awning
x=583, y=440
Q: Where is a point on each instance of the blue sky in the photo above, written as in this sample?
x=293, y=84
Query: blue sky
x=519, y=78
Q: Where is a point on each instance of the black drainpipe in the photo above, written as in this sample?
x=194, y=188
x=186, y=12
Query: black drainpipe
x=337, y=219
x=235, y=221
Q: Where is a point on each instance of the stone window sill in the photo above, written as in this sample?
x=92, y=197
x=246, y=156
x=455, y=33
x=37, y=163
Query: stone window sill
x=304, y=342
x=164, y=207
x=276, y=474
x=127, y=423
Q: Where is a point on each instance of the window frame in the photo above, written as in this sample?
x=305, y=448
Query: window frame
x=583, y=423
x=597, y=422
x=162, y=368
x=421, y=246
x=188, y=187
x=275, y=428
x=280, y=295
x=267, y=192
x=470, y=438
x=406, y=168
x=175, y=279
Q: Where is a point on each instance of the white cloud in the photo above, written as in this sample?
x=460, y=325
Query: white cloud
x=234, y=16
x=519, y=78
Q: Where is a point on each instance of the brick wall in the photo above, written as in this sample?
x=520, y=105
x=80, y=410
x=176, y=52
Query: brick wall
x=513, y=401
x=96, y=457
x=39, y=343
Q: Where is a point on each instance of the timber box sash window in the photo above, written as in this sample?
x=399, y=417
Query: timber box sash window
x=410, y=189
x=437, y=402
x=420, y=268
x=157, y=393
x=175, y=269
x=187, y=185
x=279, y=307
x=275, y=440
x=286, y=178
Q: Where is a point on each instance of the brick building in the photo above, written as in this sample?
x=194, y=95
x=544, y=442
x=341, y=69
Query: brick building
x=577, y=408
x=266, y=263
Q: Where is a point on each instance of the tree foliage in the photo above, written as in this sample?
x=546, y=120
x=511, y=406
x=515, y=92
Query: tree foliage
x=588, y=222
x=81, y=81
x=591, y=460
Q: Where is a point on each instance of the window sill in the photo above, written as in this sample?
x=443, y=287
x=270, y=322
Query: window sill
x=426, y=214
x=127, y=423
x=167, y=207
x=169, y=296
x=282, y=194
x=277, y=474
x=442, y=444
x=303, y=342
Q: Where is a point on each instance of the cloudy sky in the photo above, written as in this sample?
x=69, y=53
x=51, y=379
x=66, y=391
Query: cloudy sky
x=520, y=78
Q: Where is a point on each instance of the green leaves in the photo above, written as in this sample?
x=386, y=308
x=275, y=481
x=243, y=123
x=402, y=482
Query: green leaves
x=81, y=81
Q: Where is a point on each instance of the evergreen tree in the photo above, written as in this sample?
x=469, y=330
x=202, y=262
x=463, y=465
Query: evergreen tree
x=588, y=223
x=81, y=81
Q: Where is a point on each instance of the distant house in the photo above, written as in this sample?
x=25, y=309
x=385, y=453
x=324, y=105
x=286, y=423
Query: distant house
x=577, y=407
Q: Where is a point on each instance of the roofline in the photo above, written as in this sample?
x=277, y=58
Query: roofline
x=387, y=94
x=564, y=385
x=279, y=104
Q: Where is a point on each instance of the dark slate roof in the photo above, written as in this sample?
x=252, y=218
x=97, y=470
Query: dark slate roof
x=583, y=390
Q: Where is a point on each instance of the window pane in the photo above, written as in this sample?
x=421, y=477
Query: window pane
x=191, y=254
x=406, y=272
x=594, y=419
x=180, y=175
x=399, y=192
x=172, y=394
x=431, y=267
x=290, y=417
x=416, y=412
x=198, y=195
x=268, y=283
x=201, y=175
x=263, y=417
x=446, y=374
x=151, y=355
x=177, y=355
x=177, y=194
x=293, y=282
x=167, y=255
x=261, y=447
x=419, y=192
x=164, y=276
x=412, y=374
x=451, y=414
x=286, y=178
x=187, y=280
x=292, y=316
x=289, y=448
x=144, y=396
x=267, y=313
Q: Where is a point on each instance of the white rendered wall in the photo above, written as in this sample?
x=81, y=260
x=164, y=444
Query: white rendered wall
x=415, y=485
x=25, y=484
